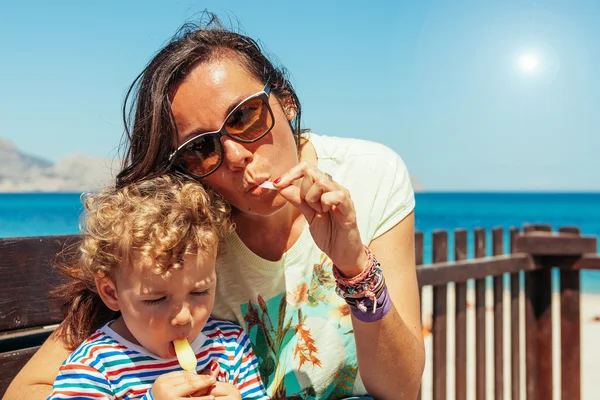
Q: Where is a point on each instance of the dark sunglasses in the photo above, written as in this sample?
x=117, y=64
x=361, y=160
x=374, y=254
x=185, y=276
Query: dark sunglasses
x=248, y=122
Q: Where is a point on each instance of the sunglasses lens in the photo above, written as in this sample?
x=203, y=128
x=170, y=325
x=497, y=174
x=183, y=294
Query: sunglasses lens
x=250, y=121
x=202, y=155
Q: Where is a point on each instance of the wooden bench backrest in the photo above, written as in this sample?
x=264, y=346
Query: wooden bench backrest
x=27, y=276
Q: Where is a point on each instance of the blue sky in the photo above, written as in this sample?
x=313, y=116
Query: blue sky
x=473, y=95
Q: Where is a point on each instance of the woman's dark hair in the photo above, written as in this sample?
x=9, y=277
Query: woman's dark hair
x=147, y=114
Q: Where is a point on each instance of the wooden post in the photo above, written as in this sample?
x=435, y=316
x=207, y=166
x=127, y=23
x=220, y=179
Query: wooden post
x=570, y=335
x=460, y=322
x=480, y=363
x=538, y=327
x=498, y=249
x=515, y=338
x=440, y=254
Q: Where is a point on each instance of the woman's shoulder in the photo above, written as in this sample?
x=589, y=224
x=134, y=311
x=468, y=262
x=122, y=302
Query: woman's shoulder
x=357, y=161
x=340, y=148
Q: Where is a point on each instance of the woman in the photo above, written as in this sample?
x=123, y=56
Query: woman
x=211, y=106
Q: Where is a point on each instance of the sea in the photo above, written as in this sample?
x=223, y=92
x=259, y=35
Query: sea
x=40, y=214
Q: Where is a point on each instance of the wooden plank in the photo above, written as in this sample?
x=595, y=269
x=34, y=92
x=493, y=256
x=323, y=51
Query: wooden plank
x=26, y=278
x=440, y=254
x=570, y=318
x=515, y=338
x=586, y=261
x=498, y=249
x=20, y=339
x=10, y=364
x=548, y=244
x=537, y=228
x=460, y=321
x=480, y=359
x=461, y=271
x=570, y=229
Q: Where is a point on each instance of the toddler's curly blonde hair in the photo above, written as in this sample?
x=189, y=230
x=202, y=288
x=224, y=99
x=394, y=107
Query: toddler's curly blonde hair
x=159, y=219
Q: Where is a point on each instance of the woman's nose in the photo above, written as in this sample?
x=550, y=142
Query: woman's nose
x=183, y=316
x=237, y=155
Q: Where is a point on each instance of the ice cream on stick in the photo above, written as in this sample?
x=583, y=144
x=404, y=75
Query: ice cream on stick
x=185, y=355
x=267, y=185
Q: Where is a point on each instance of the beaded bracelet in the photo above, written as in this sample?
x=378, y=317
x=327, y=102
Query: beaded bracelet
x=364, y=288
x=359, y=301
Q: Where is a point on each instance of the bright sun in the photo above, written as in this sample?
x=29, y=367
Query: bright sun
x=528, y=63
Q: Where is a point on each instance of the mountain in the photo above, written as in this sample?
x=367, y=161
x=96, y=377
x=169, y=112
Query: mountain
x=20, y=172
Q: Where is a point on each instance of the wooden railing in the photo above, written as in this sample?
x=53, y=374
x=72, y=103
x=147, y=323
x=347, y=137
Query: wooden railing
x=28, y=315
x=528, y=257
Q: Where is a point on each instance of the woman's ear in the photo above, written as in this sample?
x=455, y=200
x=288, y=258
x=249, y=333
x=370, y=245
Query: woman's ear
x=107, y=290
x=290, y=113
x=289, y=107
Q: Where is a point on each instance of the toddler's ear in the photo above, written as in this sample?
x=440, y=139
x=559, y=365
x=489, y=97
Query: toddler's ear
x=108, y=292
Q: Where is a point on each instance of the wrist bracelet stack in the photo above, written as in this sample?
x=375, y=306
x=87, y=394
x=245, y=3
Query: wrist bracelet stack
x=365, y=290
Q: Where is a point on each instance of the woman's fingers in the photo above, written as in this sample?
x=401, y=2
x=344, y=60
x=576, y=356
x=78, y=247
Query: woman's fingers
x=298, y=171
x=292, y=195
x=312, y=186
x=211, y=369
x=330, y=213
x=314, y=183
x=338, y=202
x=312, y=193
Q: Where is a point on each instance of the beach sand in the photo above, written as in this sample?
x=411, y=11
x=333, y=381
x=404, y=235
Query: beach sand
x=590, y=347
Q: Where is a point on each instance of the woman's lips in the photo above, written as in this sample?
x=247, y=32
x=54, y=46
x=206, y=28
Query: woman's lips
x=258, y=191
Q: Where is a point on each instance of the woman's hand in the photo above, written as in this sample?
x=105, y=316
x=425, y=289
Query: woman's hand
x=330, y=213
x=181, y=384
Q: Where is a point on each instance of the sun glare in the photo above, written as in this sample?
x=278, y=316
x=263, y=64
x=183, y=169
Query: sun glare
x=529, y=63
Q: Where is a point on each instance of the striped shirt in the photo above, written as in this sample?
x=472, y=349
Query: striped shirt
x=106, y=366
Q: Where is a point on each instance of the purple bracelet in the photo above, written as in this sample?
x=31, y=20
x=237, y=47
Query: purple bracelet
x=384, y=305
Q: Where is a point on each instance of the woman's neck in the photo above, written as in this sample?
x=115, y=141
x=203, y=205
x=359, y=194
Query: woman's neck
x=271, y=236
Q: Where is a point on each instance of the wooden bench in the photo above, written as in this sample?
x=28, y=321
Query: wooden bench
x=28, y=314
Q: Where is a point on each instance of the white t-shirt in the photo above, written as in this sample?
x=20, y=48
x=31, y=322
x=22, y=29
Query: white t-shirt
x=301, y=331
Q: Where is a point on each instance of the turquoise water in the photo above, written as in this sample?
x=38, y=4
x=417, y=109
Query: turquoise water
x=34, y=214
x=58, y=213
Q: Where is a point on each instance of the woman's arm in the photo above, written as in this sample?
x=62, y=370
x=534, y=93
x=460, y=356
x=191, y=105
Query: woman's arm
x=35, y=380
x=391, y=353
